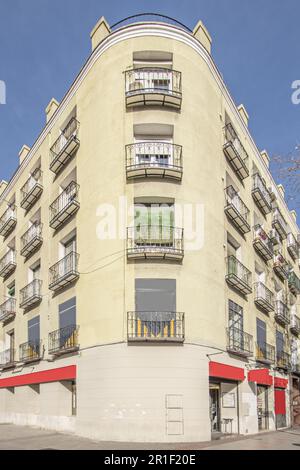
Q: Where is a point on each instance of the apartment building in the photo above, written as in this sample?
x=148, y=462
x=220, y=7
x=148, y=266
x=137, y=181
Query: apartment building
x=127, y=327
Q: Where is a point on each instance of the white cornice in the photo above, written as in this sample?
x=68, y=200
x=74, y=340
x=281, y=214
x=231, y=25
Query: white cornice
x=130, y=32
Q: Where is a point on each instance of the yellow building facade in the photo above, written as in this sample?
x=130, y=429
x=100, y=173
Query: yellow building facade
x=150, y=264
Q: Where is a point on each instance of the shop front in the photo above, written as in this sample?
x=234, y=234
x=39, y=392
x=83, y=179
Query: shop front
x=280, y=386
x=224, y=398
x=263, y=381
x=296, y=400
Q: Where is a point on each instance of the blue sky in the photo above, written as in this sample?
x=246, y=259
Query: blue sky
x=44, y=43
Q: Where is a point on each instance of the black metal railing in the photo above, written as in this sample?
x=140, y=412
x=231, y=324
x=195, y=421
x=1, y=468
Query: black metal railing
x=7, y=357
x=64, y=339
x=70, y=132
x=63, y=202
x=155, y=238
x=262, y=242
x=292, y=246
x=34, y=181
x=263, y=296
x=239, y=342
x=280, y=265
x=265, y=353
x=238, y=275
x=7, y=262
x=261, y=194
x=8, y=220
x=283, y=360
x=241, y=213
x=279, y=223
x=31, y=236
x=8, y=309
x=64, y=269
x=295, y=323
x=155, y=326
x=30, y=351
x=152, y=80
x=294, y=283
x=282, y=313
x=154, y=155
x=31, y=293
x=238, y=157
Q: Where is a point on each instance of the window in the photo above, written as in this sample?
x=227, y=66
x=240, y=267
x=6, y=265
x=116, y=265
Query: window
x=11, y=289
x=279, y=343
x=70, y=246
x=34, y=334
x=261, y=334
x=154, y=223
x=236, y=319
x=67, y=321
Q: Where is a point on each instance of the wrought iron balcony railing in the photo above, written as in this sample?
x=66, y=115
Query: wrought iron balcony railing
x=261, y=195
x=31, y=240
x=283, y=360
x=235, y=152
x=8, y=221
x=8, y=310
x=64, y=272
x=236, y=210
x=8, y=263
x=155, y=326
x=279, y=223
x=7, y=358
x=281, y=266
x=282, y=313
x=293, y=246
x=63, y=340
x=154, y=159
x=64, y=206
x=65, y=146
x=295, y=323
x=238, y=276
x=263, y=297
x=31, y=190
x=155, y=242
x=274, y=237
x=30, y=351
x=239, y=342
x=153, y=86
x=294, y=283
x=31, y=294
x=265, y=353
x=262, y=243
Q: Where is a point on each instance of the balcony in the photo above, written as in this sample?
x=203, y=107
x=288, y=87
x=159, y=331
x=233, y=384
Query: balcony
x=238, y=276
x=30, y=352
x=31, y=294
x=64, y=340
x=155, y=242
x=154, y=160
x=283, y=360
x=7, y=358
x=8, y=310
x=64, y=206
x=31, y=240
x=294, y=283
x=239, y=342
x=236, y=210
x=8, y=263
x=8, y=221
x=64, y=147
x=263, y=298
x=31, y=190
x=295, y=368
x=153, y=86
x=261, y=194
x=282, y=314
x=279, y=224
x=293, y=246
x=155, y=326
x=274, y=237
x=281, y=266
x=265, y=353
x=295, y=324
x=262, y=243
x=235, y=152
x=64, y=272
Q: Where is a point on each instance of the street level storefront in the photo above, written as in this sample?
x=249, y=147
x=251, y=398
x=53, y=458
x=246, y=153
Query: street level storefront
x=280, y=386
x=263, y=381
x=296, y=400
x=224, y=398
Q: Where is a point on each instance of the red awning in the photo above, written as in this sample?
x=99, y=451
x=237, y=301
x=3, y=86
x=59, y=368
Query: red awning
x=44, y=376
x=260, y=376
x=280, y=383
x=224, y=371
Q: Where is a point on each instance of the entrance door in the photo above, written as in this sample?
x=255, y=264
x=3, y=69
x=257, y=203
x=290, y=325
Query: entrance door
x=296, y=402
x=262, y=408
x=280, y=408
x=214, y=407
